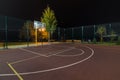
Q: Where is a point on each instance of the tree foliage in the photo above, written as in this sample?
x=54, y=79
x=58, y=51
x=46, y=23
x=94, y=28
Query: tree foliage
x=27, y=31
x=113, y=35
x=49, y=19
x=101, y=31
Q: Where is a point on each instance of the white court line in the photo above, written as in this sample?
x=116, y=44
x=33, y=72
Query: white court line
x=24, y=60
x=33, y=52
x=61, y=51
x=15, y=62
x=52, y=46
x=62, y=46
x=57, y=68
x=62, y=55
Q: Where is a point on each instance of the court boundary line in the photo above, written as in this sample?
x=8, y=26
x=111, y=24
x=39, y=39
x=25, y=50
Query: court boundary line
x=57, y=68
x=61, y=51
x=61, y=67
x=71, y=55
x=16, y=73
x=15, y=62
x=39, y=54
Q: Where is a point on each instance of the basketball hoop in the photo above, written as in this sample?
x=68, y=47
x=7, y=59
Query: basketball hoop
x=38, y=25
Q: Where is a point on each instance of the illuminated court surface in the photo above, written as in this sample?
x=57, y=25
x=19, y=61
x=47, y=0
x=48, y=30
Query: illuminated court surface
x=65, y=61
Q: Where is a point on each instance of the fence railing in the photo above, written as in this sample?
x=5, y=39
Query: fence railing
x=20, y=32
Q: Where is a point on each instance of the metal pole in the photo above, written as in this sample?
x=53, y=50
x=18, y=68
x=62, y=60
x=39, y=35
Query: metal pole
x=36, y=36
x=41, y=38
x=64, y=34
x=42, y=41
x=72, y=35
x=6, y=40
x=58, y=33
x=82, y=33
x=94, y=31
x=110, y=28
x=27, y=34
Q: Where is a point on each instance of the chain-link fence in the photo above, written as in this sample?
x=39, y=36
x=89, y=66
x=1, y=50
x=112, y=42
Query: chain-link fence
x=10, y=29
x=17, y=32
x=89, y=33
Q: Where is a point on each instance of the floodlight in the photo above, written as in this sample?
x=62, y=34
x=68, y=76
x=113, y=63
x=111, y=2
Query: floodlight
x=40, y=26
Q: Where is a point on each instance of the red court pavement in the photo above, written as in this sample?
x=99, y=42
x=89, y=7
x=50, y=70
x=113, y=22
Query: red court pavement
x=61, y=62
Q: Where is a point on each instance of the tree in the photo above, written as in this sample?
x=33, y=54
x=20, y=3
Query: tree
x=113, y=35
x=101, y=31
x=49, y=19
x=27, y=32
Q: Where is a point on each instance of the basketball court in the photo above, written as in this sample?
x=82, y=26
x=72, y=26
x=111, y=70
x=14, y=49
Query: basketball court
x=65, y=61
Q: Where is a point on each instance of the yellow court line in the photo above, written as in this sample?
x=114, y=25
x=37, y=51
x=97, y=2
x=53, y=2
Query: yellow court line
x=16, y=73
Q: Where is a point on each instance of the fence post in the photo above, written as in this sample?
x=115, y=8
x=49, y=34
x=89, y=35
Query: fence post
x=82, y=33
x=64, y=34
x=58, y=33
x=110, y=27
x=94, y=32
x=72, y=34
x=27, y=24
x=6, y=36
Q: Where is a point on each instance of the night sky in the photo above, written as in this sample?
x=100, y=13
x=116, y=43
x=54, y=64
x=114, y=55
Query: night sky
x=69, y=13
